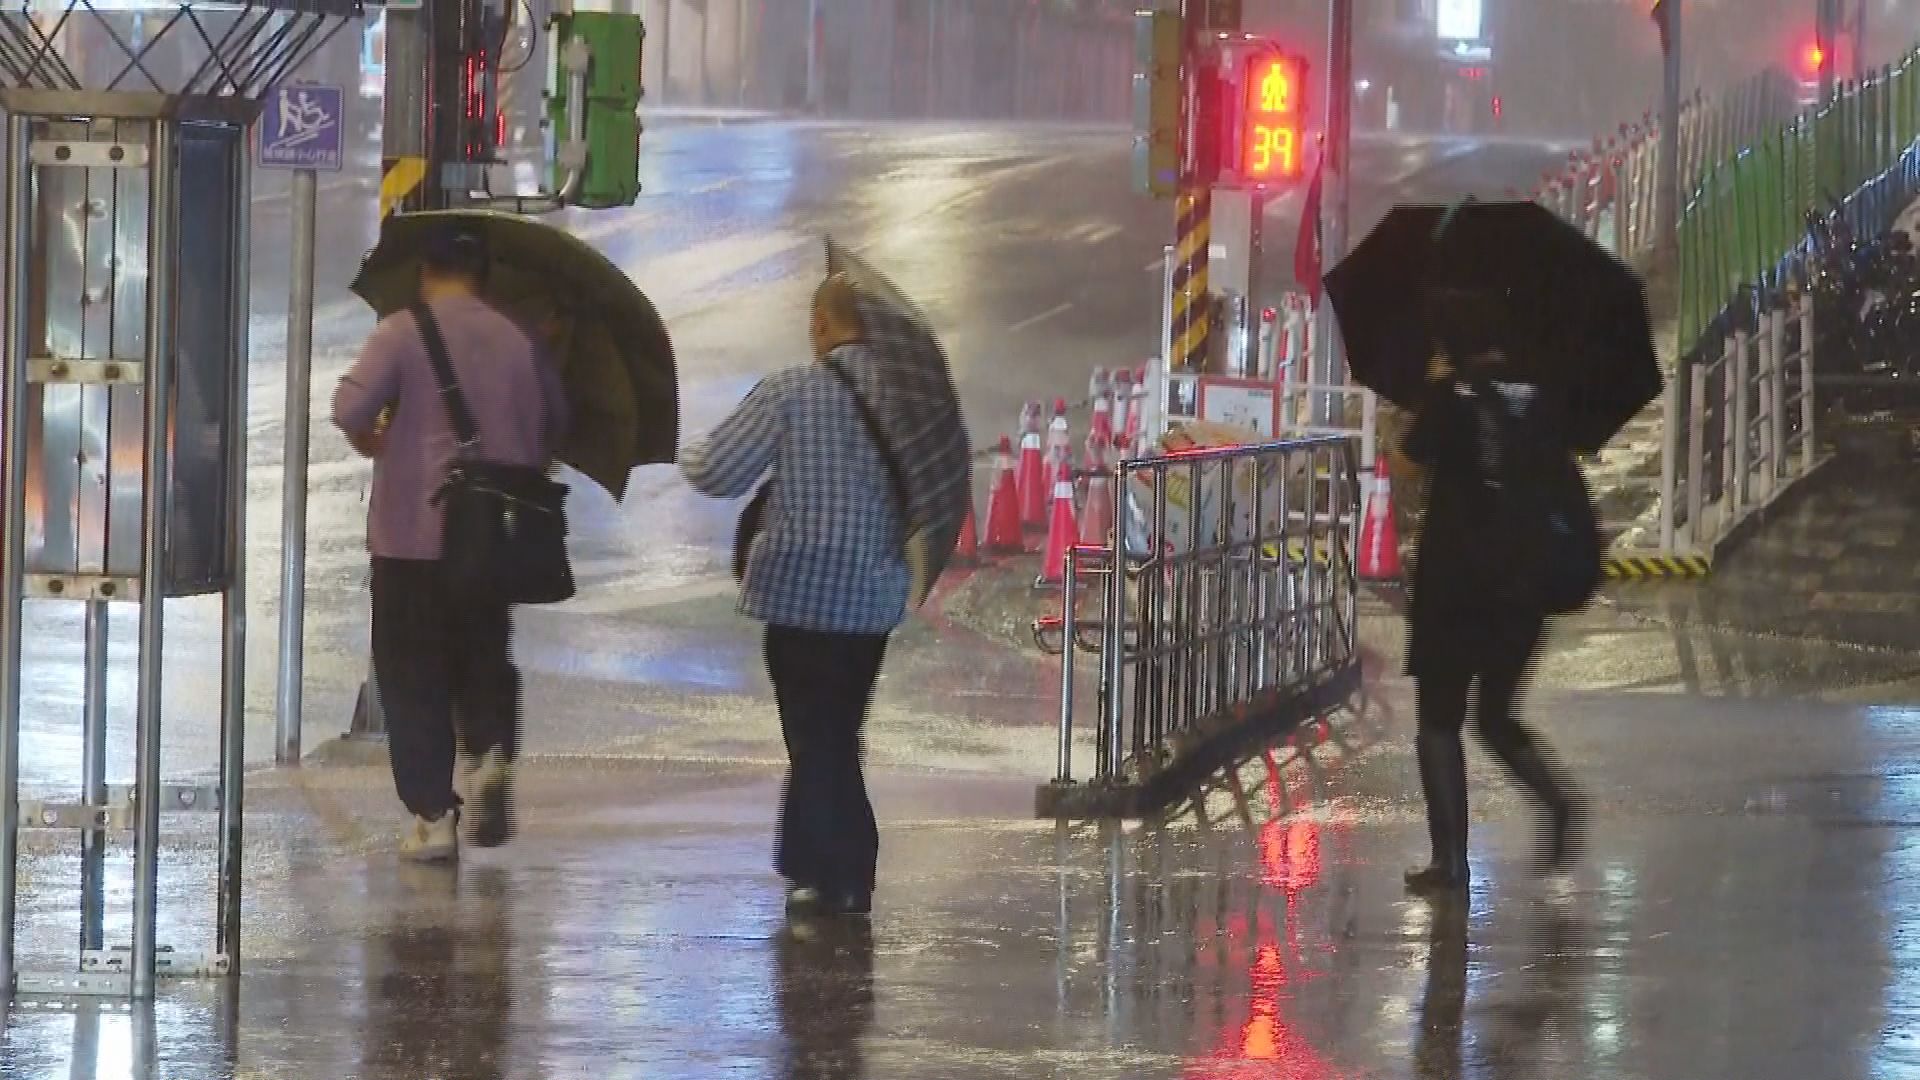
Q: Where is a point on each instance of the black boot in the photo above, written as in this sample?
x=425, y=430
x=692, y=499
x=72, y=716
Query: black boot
x=1443, y=780
x=1548, y=784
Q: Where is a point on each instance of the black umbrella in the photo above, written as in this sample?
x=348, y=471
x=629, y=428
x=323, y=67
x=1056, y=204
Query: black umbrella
x=611, y=346
x=1505, y=275
x=918, y=409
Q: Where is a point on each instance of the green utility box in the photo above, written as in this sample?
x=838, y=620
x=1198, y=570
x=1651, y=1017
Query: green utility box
x=612, y=58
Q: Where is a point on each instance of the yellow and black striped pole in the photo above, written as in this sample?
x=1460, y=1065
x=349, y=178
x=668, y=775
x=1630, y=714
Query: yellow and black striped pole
x=1192, y=321
x=400, y=184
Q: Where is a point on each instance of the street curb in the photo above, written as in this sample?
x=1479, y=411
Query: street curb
x=1657, y=567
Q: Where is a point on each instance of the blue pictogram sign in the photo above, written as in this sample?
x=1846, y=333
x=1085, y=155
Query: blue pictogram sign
x=301, y=128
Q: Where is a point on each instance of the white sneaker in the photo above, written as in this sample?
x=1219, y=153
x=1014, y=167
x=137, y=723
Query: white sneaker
x=491, y=823
x=466, y=776
x=434, y=841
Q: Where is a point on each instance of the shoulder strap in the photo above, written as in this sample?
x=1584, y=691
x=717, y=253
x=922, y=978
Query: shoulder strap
x=879, y=438
x=464, y=429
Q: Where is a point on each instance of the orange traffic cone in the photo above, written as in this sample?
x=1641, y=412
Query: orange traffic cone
x=1003, y=506
x=1031, y=479
x=1379, y=556
x=1096, y=517
x=966, y=550
x=1060, y=537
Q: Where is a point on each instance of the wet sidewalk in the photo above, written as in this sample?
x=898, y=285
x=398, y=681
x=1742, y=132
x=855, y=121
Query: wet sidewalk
x=1746, y=913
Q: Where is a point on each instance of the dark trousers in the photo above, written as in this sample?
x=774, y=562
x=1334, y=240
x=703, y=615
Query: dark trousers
x=1503, y=659
x=445, y=666
x=826, y=838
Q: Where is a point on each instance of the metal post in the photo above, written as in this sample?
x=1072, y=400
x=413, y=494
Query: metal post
x=706, y=46
x=1069, y=615
x=13, y=522
x=933, y=59
x=1667, y=191
x=1670, y=400
x=1113, y=634
x=1859, y=38
x=293, y=497
x=1776, y=396
x=742, y=35
x=233, y=609
x=816, y=58
x=1739, y=393
x=1696, y=455
x=1155, y=423
x=1336, y=191
x=93, y=741
x=1759, y=432
x=1809, y=450
x=153, y=549
x=1617, y=180
x=666, y=49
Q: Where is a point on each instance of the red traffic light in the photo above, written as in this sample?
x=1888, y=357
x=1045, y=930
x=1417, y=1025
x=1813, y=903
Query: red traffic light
x=1273, y=139
x=1813, y=57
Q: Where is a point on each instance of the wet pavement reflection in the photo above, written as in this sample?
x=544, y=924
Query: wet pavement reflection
x=1740, y=915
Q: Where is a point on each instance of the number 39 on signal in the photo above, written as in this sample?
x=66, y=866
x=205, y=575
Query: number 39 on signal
x=1273, y=152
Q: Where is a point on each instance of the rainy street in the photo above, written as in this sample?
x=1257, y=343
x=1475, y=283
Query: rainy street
x=1745, y=910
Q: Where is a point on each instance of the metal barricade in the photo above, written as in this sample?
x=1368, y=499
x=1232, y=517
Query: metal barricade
x=123, y=475
x=1226, y=614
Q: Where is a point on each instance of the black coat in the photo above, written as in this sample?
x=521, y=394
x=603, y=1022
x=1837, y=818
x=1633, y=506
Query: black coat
x=1492, y=452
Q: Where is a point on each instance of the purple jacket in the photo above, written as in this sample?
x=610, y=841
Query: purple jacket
x=518, y=406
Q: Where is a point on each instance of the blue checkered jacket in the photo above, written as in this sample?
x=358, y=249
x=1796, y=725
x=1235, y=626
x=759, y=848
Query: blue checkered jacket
x=828, y=557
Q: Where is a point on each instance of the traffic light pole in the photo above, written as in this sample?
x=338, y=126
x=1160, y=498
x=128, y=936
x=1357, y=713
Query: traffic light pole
x=1826, y=30
x=1335, y=194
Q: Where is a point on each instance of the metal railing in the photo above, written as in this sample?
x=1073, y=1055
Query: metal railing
x=1228, y=609
x=1747, y=399
x=1609, y=190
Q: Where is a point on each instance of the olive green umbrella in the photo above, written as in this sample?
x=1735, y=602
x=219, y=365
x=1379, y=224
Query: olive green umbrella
x=610, y=345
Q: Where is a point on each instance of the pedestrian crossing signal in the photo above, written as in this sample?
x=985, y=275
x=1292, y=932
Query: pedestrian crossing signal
x=1272, y=120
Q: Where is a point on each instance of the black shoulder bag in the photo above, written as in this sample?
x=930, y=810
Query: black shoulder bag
x=506, y=525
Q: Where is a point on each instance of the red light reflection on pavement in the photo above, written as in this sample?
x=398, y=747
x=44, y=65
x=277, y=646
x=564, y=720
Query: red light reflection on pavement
x=1265, y=1044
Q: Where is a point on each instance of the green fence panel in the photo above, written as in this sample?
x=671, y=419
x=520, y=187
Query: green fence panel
x=1776, y=198
x=1749, y=209
x=1744, y=200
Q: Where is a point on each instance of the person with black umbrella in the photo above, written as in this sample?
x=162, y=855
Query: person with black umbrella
x=1518, y=343
x=1483, y=576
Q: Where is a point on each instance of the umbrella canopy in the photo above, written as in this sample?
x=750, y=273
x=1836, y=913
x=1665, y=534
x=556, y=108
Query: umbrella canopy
x=918, y=410
x=1498, y=275
x=615, y=359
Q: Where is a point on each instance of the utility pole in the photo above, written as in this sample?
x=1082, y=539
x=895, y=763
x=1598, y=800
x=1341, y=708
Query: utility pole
x=1860, y=39
x=744, y=40
x=1335, y=192
x=1826, y=33
x=1667, y=194
x=666, y=49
